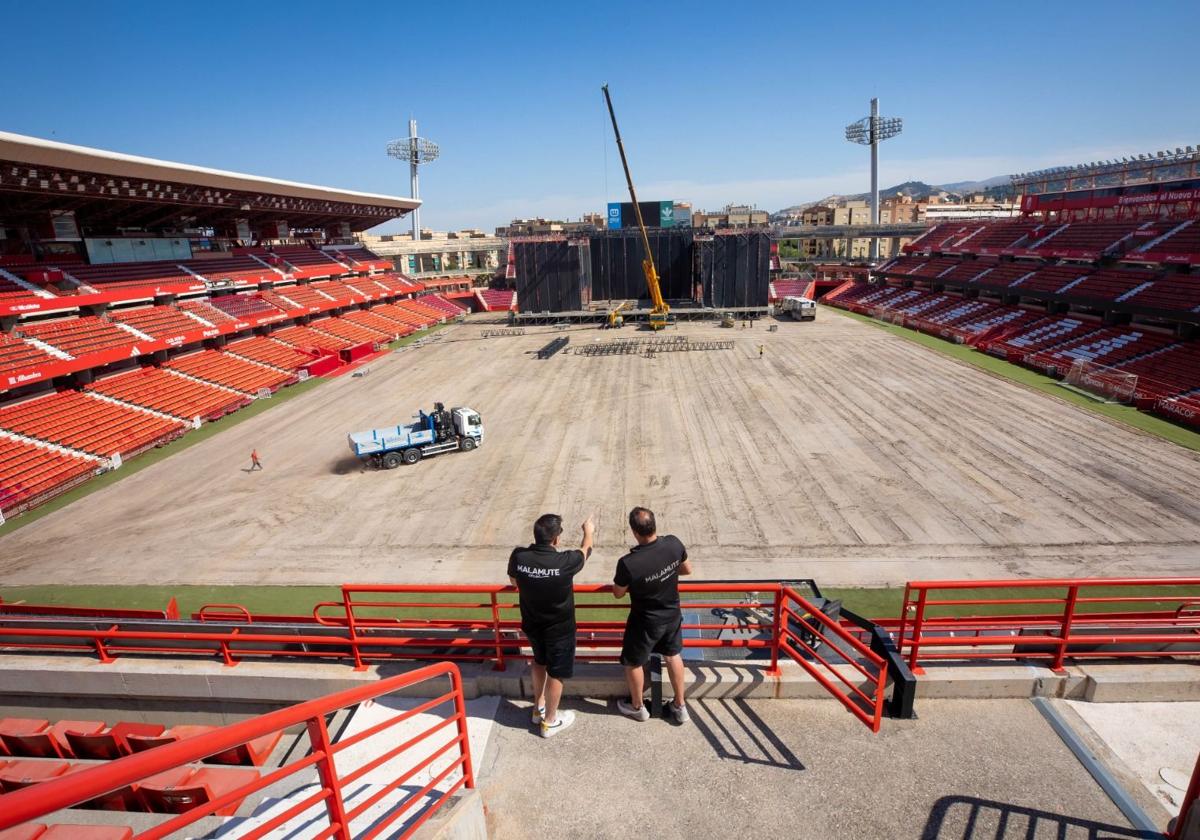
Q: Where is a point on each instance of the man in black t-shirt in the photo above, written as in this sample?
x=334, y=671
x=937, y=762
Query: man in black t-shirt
x=544, y=577
x=650, y=574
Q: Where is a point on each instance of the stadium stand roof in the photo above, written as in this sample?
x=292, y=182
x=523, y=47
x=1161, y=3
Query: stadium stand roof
x=100, y=186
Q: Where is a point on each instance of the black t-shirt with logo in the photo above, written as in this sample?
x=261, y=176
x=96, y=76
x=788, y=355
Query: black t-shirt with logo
x=544, y=577
x=651, y=572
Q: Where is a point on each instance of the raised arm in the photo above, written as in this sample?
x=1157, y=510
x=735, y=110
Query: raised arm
x=589, y=535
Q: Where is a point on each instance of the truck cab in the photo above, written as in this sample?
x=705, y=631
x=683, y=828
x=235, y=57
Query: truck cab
x=468, y=423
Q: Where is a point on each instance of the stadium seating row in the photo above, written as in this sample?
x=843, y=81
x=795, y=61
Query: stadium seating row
x=30, y=474
x=79, y=336
x=129, y=412
x=170, y=393
x=172, y=792
x=1153, y=240
x=268, y=351
x=16, y=354
x=66, y=277
x=1138, y=288
x=1166, y=368
x=231, y=372
x=88, y=423
x=96, y=740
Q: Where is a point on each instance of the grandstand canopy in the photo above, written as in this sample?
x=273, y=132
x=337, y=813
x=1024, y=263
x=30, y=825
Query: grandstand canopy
x=108, y=191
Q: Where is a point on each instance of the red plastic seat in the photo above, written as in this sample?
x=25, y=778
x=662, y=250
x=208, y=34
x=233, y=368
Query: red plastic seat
x=111, y=743
x=87, y=832
x=122, y=799
x=28, y=831
x=35, y=739
x=21, y=774
x=175, y=794
x=14, y=730
x=252, y=754
x=157, y=791
x=222, y=780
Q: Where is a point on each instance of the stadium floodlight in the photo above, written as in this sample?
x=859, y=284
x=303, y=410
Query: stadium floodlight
x=871, y=131
x=417, y=151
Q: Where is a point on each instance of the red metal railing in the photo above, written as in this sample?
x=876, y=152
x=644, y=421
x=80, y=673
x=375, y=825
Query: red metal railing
x=46, y=797
x=1064, y=620
x=481, y=623
x=1188, y=812
x=866, y=705
x=489, y=629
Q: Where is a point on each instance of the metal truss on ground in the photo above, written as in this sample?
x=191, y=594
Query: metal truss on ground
x=650, y=346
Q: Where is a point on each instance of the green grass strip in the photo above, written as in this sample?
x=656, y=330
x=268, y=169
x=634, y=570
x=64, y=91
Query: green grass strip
x=300, y=600
x=1128, y=415
x=190, y=439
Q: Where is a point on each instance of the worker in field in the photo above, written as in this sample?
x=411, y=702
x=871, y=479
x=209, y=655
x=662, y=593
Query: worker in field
x=544, y=577
x=650, y=574
x=255, y=464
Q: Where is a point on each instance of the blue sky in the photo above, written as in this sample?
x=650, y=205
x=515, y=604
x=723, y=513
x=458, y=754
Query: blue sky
x=718, y=102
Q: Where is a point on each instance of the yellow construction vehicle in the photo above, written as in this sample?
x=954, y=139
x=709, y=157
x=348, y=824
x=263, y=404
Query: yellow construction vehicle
x=615, y=318
x=659, y=311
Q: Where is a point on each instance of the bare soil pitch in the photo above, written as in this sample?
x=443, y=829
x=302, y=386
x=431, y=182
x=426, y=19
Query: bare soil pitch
x=845, y=454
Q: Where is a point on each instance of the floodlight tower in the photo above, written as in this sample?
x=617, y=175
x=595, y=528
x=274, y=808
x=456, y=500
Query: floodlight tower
x=871, y=131
x=417, y=151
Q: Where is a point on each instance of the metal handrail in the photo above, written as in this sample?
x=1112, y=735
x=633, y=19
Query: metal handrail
x=46, y=797
x=1057, y=626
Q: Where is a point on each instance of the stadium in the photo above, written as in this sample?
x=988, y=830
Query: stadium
x=946, y=534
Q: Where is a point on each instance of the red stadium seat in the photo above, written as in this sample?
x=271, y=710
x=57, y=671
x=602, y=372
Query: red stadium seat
x=87, y=832
x=141, y=743
x=158, y=791
x=110, y=743
x=35, y=739
x=253, y=754
x=175, y=794
x=21, y=774
x=28, y=831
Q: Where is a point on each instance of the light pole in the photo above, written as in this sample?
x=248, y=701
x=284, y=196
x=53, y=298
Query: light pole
x=871, y=131
x=416, y=150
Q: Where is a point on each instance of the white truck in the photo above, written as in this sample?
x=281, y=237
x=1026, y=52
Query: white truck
x=800, y=308
x=441, y=430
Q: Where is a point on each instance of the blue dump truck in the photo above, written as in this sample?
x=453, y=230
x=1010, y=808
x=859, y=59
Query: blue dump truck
x=441, y=430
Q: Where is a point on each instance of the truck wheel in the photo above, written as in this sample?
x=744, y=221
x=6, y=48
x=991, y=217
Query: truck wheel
x=467, y=444
x=391, y=460
x=411, y=456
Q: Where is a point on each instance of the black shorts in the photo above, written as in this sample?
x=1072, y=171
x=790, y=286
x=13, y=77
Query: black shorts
x=556, y=654
x=642, y=639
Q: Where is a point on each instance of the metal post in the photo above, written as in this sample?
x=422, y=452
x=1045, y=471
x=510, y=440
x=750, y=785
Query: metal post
x=918, y=622
x=498, y=639
x=776, y=634
x=1067, y=619
x=874, y=176
x=460, y=716
x=359, y=665
x=318, y=736
x=414, y=187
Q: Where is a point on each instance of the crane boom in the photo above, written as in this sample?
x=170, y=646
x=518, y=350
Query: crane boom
x=659, y=309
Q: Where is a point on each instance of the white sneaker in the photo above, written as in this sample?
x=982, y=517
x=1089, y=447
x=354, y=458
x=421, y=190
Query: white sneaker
x=538, y=713
x=639, y=713
x=565, y=719
x=679, y=713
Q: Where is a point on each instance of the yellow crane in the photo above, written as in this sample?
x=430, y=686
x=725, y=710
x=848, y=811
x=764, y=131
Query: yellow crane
x=659, y=310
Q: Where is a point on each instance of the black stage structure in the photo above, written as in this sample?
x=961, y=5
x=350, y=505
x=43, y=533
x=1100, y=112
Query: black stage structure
x=702, y=273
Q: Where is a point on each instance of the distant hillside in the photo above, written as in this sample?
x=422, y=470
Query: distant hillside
x=997, y=188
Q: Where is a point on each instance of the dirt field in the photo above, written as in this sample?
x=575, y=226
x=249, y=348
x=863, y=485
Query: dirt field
x=844, y=454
